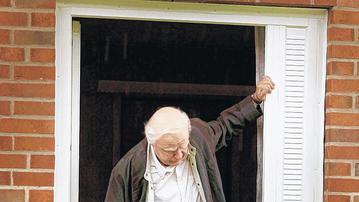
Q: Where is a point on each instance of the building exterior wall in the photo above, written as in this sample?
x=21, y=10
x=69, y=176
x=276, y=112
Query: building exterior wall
x=341, y=167
x=27, y=94
x=27, y=75
x=342, y=104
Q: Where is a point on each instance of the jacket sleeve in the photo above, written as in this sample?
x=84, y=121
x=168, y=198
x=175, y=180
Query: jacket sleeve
x=116, y=188
x=232, y=120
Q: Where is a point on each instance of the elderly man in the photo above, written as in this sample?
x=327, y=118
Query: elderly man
x=176, y=161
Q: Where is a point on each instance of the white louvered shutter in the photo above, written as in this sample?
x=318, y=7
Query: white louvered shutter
x=292, y=148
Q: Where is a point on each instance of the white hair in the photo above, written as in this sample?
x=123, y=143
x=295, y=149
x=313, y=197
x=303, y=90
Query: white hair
x=167, y=120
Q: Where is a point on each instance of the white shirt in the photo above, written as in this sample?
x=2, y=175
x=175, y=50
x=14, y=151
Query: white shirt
x=170, y=184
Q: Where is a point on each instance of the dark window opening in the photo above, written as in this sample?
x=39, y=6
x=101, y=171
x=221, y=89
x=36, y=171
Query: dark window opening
x=131, y=68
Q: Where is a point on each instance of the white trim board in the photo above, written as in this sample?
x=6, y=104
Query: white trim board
x=276, y=20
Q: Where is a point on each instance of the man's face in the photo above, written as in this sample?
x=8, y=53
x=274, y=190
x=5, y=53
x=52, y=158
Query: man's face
x=171, y=149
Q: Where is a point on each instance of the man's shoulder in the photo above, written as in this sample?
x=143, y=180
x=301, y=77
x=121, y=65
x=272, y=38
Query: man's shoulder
x=135, y=158
x=198, y=124
x=199, y=132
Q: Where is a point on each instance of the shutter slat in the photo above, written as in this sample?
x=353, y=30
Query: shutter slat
x=295, y=67
x=295, y=94
x=298, y=73
x=295, y=52
x=295, y=132
x=294, y=62
x=291, y=36
x=294, y=42
x=295, y=57
x=295, y=47
x=292, y=182
x=292, y=177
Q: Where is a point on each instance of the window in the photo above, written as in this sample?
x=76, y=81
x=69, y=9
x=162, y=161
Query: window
x=294, y=58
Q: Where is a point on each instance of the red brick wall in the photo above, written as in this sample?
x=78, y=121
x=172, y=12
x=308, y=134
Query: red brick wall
x=27, y=74
x=342, y=104
x=27, y=98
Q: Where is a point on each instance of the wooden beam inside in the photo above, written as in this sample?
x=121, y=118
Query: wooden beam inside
x=160, y=88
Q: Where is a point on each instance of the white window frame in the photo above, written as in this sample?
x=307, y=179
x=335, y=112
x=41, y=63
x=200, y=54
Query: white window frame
x=273, y=18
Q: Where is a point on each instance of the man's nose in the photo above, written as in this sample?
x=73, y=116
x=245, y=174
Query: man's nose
x=178, y=154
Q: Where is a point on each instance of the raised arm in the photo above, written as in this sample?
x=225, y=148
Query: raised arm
x=232, y=120
x=235, y=118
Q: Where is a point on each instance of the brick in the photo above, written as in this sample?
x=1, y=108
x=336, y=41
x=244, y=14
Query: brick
x=344, y=17
x=5, y=143
x=5, y=3
x=35, y=108
x=13, y=18
x=12, y=161
x=27, y=90
x=280, y=2
x=342, y=152
x=42, y=55
x=34, y=38
x=34, y=144
x=356, y=172
x=9, y=125
x=340, y=68
x=337, y=169
x=340, y=34
x=326, y=3
x=12, y=195
x=12, y=54
x=4, y=36
x=341, y=185
x=42, y=161
x=348, y=3
x=357, y=102
x=343, y=85
x=356, y=198
x=35, y=3
x=286, y=2
x=41, y=196
x=34, y=73
x=342, y=119
x=343, y=51
x=224, y=1
x=4, y=107
x=339, y=101
x=43, y=19
x=4, y=72
x=219, y=1
x=33, y=179
x=337, y=198
x=342, y=135
x=5, y=178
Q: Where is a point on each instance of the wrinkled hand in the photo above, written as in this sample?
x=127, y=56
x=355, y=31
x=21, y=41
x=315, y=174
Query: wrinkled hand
x=264, y=86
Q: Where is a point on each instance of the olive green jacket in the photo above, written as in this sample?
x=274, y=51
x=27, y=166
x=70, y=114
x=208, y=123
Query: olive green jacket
x=127, y=182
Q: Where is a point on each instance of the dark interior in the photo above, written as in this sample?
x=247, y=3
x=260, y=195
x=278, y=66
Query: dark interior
x=161, y=53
